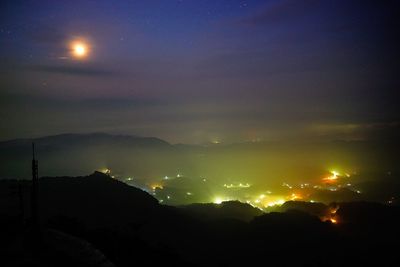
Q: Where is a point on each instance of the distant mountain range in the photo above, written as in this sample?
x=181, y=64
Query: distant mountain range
x=264, y=165
x=73, y=154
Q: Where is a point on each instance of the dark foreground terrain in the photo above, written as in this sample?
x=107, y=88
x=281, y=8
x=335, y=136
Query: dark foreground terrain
x=98, y=221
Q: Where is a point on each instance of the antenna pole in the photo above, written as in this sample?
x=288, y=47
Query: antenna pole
x=34, y=193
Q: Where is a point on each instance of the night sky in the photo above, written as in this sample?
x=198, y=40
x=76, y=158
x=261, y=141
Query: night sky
x=201, y=71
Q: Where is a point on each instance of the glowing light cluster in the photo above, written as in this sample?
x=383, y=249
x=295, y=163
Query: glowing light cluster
x=240, y=185
x=105, y=171
x=295, y=196
x=261, y=199
x=155, y=186
x=219, y=200
x=332, y=178
x=287, y=185
x=275, y=203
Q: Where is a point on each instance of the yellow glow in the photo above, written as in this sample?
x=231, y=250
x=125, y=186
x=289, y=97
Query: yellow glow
x=240, y=185
x=219, y=200
x=79, y=49
x=295, y=196
x=332, y=178
x=155, y=186
x=333, y=220
x=275, y=203
x=105, y=171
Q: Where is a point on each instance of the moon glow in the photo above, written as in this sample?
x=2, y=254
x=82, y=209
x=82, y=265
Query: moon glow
x=79, y=49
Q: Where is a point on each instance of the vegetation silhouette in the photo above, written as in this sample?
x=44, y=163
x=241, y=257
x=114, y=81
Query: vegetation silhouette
x=98, y=221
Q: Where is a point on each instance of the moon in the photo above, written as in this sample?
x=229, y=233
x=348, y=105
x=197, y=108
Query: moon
x=79, y=49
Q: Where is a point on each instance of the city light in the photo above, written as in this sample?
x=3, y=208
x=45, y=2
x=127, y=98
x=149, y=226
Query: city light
x=295, y=196
x=332, y=178
x=219, y=200
x=287, y=185
x=275, y=203
x=259, y=199
x=239, y=185
x=105, y=171
x=155, y=186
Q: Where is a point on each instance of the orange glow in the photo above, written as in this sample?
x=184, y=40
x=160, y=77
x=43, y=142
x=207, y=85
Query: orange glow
x=329, y=219
x=333, y=210
x=79, y=49
x=155, y=186
x=295, y=196
x=332, y=178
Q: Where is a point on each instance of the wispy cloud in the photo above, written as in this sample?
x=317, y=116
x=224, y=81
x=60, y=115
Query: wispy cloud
x=283, y=11
x=12, y=100
x=73, y=70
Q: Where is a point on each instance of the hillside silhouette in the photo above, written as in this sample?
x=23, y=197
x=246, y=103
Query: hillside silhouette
x=225, y=210
x=98, y=221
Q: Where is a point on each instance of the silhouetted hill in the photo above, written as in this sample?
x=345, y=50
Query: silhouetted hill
x=368, y=213
x=76, y=154
x=95, y=199
x=340, y=195
x=387, y=188
x=290, y=223
x=316, y=209
x=225, y=210
x=96, y=219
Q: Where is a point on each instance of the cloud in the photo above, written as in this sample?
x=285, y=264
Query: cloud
x=373, y=130
x=282, y=11
x=46, y=34
x=12, y=100
x=353, y=16
x=73, y=70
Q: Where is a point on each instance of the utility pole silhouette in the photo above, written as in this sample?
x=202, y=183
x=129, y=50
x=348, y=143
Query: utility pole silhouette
x=21, y=201
x=34, y=192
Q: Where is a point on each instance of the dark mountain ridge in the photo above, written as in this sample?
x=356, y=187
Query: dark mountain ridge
x=128, y=226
